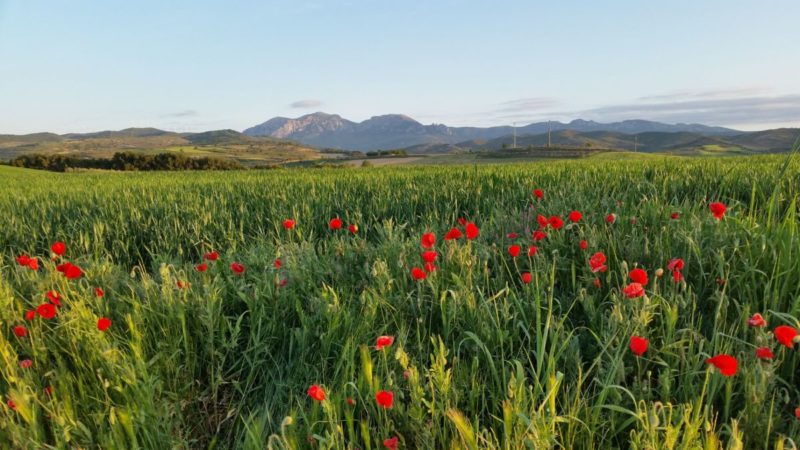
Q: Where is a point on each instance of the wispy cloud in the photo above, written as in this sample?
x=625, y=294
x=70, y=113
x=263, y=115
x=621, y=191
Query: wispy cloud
x=527, y=104
x=305, y=104
x=715, y=110
x=185, y=113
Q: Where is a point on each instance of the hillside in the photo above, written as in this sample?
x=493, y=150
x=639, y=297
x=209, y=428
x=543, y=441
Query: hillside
x=226, y=144
x=393, y=131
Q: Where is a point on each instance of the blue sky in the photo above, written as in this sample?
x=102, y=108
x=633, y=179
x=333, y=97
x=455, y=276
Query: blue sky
x=198, y=65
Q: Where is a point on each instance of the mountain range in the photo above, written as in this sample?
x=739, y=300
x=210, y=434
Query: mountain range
x=396, y=131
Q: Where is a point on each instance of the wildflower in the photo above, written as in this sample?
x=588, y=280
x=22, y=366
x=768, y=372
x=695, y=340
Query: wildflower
x=462, y=221
x=430, y=267
x=288, y=224
x=717, y=209
x=335, y=224
x=352, y=228
x=237, y=268
x=675, y=216
x=390, y=444
x=539, y=235
x=428, y=240
x=25, y=363
x=383, y=341
x=513, y=250
x=526, y=277
x=454, y=233
x=611, y=218
x=384, y=399
x=350, y=401
x=764, y=353
x=542, y=220
x=675, y=264
x=638, y=345
x=596, y=283
x=538, y=194
x=512, y=235
x=575, y=216
x=46, y=310
x=532, y=250
x=99, y=293
x=597, y=262
x=677, y=276
x=726, y=364
x=316, y=392
x=556, y=222
x=71, y=271
x=202, y=267
x=59, y=248
x=54, y=298
x=277, y=263
x=418, y=274
x=471, y=231
x=757, y=320
x=11, y=404
x=638, y=276
x=633, y=290
x=20, y=331
x=103, y=323
x=786, y=335
x=30, y=315
x=211, y=256
x=429, y=256
x=583, y=244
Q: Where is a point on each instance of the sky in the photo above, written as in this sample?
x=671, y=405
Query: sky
x=78, y=66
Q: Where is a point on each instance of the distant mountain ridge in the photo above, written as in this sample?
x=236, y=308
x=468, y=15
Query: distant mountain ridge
x=393, y=131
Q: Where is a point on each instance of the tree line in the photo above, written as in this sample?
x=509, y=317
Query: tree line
x=126, y=161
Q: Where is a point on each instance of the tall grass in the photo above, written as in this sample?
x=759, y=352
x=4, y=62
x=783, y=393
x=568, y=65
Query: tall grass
x=480, y=360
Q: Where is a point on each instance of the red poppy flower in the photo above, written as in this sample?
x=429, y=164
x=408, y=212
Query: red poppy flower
x=25, y=363
x=430, y=267
x=583, y=244
x=797, y=413
x=352, y=228
x=575, y=216
x=677, y=276
x=512, y=235
x=556, y=222
x=23, y=260
x=54, y=298
x=526, y=277
x=277, y=263
x=237, y=268
x=11, y=404
x=596, y=283
x=638, y=345
x=633, y=290
x=335, y=223
x=46, y=310
x=99, y=293
x=390, y=444
x=538, y=194
x=462, y=221
x=71, y=271
x=182, y=284
x=48, y=390
x=428, y=240
x=717, y=209
x=429, y=256
x=675, y=216
x=597, y=262
x=59, y=248
x=211, y=256
x=786, y=335
x=202, y=267
x=542, y=220
x=539, y=235
x=513, y=250
x=20, y=331
x=30, y=315
x=350, y=401
x=471, y=231
x=418, y=274
x=33, y=264
x=316, y=392
x=532, y=250
x=611, y=218
x=103, y=323
x=757, y=320
x=384, y=399
x=726, y=364
x=764, y=353
x=288, y=224
x=383, y=341
x=675, y=264
x=454, y=233
x=638, y=276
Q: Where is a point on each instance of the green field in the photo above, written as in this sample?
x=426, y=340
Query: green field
x=480, y=359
